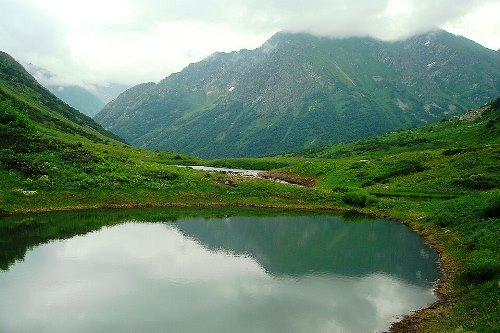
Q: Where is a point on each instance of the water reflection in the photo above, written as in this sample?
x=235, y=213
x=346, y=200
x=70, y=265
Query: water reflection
x=225, y=275
x=298, y=245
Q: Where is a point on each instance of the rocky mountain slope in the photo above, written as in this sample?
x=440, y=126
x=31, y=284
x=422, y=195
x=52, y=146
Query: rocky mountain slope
x=299, y=91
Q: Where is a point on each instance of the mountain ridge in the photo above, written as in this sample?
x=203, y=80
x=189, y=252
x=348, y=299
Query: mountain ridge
x=298, y=91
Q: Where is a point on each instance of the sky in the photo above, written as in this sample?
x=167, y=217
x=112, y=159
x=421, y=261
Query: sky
x=96, y=42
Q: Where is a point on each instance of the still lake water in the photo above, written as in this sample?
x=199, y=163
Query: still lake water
x=278, y=273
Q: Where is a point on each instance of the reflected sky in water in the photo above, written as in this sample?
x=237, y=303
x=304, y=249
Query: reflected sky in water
x=153, y=277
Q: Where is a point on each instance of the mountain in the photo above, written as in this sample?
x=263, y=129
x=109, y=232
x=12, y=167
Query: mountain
x=88, y=101
x=23, y=92
x=78, y=98
x=107, y=93
x=299, y=91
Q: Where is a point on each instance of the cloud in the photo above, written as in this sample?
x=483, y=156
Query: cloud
x=132, y=41
x=481, y=25
x=383, y=19
x=20, y=32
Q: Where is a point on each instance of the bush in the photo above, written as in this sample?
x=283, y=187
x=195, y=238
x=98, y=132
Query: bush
x=444, y=218
x=405, y=167
x=458, y=151
x=399, y=168
x=483, y=239
x=493, y=208
x=496, y=104
x=340, y=189
x=358, y=165
x=482, y=265
x=79, y=156
x=10, y=117
x=478, y=182
x=27, y=167
x=160, y=175
x=358, y=199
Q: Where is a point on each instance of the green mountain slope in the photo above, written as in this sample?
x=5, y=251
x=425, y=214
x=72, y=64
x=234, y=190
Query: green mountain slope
x=19, y=88
x=456, y=156
x=299, y=91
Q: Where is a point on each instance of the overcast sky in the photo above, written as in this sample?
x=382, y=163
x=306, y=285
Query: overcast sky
x=132, y=41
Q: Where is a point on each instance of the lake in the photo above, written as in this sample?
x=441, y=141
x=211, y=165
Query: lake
x=212, y=270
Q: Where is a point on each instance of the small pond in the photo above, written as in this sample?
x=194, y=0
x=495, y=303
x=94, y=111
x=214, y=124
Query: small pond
x=245, y=270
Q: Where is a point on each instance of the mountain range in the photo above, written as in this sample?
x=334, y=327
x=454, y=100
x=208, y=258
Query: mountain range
x=299, y=91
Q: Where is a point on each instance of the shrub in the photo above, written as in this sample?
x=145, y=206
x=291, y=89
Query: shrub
x=399, y=168
x=482, y=265
x=405, y=167
x=340, y=189
x=493, y=208
x=24, y=165
x=10, y=117
x=458, y=151
x=484, y=239
x=358, y=199
x=478, y=182
x=79, y=156
x=160, y=175
x=490, y=124
x=444, y=218
x=358, y=165
x=368, y=183
x=496, y=104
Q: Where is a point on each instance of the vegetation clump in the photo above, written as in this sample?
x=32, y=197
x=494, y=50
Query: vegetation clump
x=358, y=199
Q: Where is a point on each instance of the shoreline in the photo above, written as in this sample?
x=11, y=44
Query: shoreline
x=403, y=324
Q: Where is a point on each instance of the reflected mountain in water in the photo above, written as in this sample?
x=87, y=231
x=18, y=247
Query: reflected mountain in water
x=302, y=245
x=283, y=243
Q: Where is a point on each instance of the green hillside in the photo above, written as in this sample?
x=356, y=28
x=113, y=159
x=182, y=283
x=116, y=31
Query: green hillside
x=299, y=91
x=19, y=88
